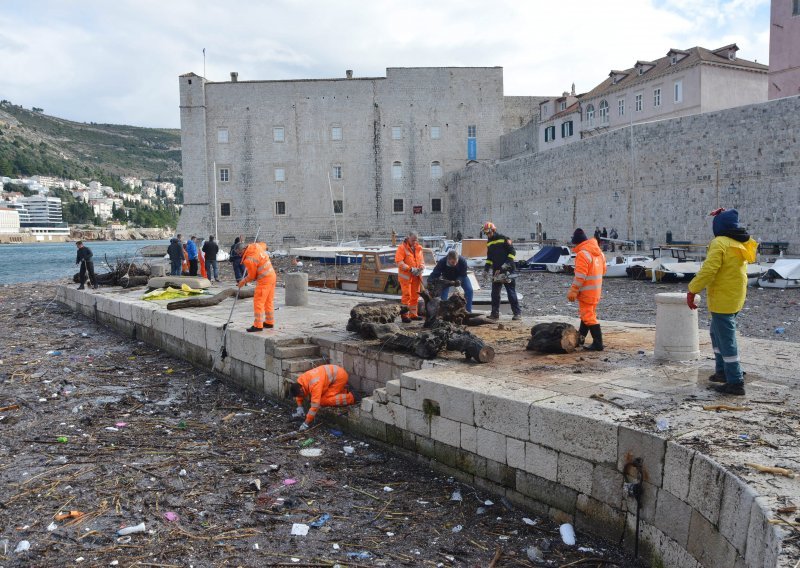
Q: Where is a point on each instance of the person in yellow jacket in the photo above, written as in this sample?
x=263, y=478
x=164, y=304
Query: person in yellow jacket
x=258, y=268
x=325, y=385
x=587, y=286
x=724, y=276
x=410, y=265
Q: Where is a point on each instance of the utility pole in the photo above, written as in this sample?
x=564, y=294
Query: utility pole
x=717, y=184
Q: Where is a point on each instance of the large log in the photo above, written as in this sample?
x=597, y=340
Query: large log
x=206, y=301
x=555, y=337
x=374, y=312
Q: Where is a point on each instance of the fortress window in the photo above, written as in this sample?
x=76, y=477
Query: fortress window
x=603, y=112
x=590, y=115
x=637, y=100
x=277, y=134
x=224, y=175
x=436, y=170
x=471, y=131
x=397, y=132
x=398, y=205
x=336, y=133
x=224, y=209
x=338, y=206
x=280, y=208
x=435, y=133
x=336, y=172
x=436, y=205
x=678, y=91
x=549, y=133
x=795, y=10
x=656, y=97
x=397, y=170
x=280, y=174
x=621, y=107
x=222, y=136
x=566, y=129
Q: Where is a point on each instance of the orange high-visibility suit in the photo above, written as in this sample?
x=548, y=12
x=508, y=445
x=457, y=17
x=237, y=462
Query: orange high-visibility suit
x=587, y=285
x=259, y=268
x=185, y=263
x=408, y=257
x=201, y=260
x=325, y=386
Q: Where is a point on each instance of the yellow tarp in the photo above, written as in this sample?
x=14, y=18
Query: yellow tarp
x=170, y=293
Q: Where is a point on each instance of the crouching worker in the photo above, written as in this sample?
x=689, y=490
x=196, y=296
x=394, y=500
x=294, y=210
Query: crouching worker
x=325, y=385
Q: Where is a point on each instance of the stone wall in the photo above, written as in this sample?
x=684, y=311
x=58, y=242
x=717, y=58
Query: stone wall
x=665, y=181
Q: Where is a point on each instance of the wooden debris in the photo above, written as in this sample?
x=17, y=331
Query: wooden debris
x=556, y=337
x=206, y=301
x=497, y=554
x=786, y=510
x=9, y=407
x=770, y=469
x=728, y=407
x=69, y=515
x=602, y=398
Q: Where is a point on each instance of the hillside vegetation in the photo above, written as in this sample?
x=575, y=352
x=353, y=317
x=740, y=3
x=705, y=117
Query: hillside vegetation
x=32, y=143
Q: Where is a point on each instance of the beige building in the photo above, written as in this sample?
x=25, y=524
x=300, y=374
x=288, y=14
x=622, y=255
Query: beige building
x=784, y=49
x=327, y=159
x=682, y=83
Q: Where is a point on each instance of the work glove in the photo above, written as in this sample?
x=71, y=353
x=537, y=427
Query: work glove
x=303, y=427
x=241, y=283
x=507, y=267
x=690, y=300
x=299, y=413
x=572, y=295
x=456, y=283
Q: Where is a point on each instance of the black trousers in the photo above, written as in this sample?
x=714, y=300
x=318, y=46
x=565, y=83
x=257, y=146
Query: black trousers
x=511, y=291
x=193, y=267
x=88, y=267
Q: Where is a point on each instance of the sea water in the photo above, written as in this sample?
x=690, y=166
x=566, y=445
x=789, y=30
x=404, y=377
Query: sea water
x=52, y=261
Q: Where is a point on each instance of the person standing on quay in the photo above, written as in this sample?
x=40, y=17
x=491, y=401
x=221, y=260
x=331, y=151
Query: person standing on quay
x=210, y=250
x=410, y=266
x=191, y=252
x=84, y=258
x=236, y=259
x=587, y=285
x=258, y=268
x=724, y=275
x=175, y=252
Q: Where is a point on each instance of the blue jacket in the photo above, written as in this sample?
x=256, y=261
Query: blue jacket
x=191, y=249
x=443, y=270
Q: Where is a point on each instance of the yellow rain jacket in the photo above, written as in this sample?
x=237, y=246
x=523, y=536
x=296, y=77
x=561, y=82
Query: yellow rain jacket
x=724, y=274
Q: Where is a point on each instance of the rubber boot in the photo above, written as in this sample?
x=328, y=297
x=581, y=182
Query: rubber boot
x=597, y=337
x=494, y=316
x=81, y=287
x=583, y=330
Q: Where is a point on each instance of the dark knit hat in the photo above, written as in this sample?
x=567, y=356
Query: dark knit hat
x=578, y=236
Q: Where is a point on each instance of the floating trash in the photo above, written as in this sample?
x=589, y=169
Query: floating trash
x=311, y=452
x=456, y=496
x=567, y=534
x=299, y=529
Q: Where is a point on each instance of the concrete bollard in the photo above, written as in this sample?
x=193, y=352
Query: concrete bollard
x=296, y=284
x=676, y=328
x=158, y=270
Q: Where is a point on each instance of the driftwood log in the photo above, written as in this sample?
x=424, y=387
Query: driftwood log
x=452, y=310
x=206, y=301
x=119, y=273
x=553, y=338
x=377, y=312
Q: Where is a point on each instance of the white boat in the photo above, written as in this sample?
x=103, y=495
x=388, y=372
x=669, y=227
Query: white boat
x=785, y=273
x=324, y=254
x=617, y=266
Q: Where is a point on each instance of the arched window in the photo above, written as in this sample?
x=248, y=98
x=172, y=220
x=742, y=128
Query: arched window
x=590, y=115
x=604, y=112
x=436, y=170
x=397, y=170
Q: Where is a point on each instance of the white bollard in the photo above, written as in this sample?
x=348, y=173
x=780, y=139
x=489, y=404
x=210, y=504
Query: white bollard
x=296, y=284
x=676, y=328
x=158, y=270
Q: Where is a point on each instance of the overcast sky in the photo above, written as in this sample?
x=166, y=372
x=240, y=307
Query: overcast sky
x=118, y=61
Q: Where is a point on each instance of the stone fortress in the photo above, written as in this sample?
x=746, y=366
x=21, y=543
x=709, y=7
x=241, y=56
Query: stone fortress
x=440, y=150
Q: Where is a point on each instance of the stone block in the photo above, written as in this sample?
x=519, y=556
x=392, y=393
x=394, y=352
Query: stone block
x=411, y=398
x=418, y=423
x=142, y=315
x=248, y=347
x=706, y=544
x=296, y=351
x=491, y=445
x=393, y=388
x=575, y=473
x=298, y=365
x=763, y=539
x=174, y=326
x=394, y=435
x=371, y=427
x=370, y=369
x=648, y=502
x=274, y=385
x=634, y=444
x=471, y=463
x=658, y=548
x=194, y=332
x=445, y=453
x=425, y=447
x=547, y=492
x=526, y=503
x=584, y=436
x=599, y=518
x=126, y=311
x=735, y=511
x=677, y=469
x=515, y=453
x=446, y=431
x=384, y=372
x=501, y=474
x=673, y=517
x=454, y=403
x=607, y=486
x=541, y=461
x=392, y=414
x=705, y=487
x=469, y=438
x=408, y=381
x=379, y=395
x=367, y=404
x=496, y=411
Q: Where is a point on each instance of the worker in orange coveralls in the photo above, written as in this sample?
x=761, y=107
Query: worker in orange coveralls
x=587, y=285
x=258, y=268
x=410, y=266
x=325, y=385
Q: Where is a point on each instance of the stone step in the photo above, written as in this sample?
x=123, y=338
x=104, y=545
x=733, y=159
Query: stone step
x=301, y=364
x=296, y=351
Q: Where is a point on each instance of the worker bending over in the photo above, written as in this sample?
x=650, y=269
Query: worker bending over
x=410, y=266
x=258, y=268
x=587, y=285
x=325, y=386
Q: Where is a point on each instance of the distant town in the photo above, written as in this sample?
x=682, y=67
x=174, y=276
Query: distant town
x=51, y=209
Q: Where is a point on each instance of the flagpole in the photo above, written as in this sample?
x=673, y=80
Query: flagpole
x=204, y=63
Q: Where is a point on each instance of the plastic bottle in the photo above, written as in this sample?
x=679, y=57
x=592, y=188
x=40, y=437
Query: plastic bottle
x=130, y=530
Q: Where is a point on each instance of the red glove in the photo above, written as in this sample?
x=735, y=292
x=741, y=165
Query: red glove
x=690, y=300
x=716, y=212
